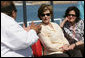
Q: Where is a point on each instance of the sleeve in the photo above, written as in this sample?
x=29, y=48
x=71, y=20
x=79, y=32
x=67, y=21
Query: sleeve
x=15, y=37
x=47, y=43
x=82, y=30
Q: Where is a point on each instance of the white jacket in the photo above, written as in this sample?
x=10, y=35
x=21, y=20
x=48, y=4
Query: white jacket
x=15, y=41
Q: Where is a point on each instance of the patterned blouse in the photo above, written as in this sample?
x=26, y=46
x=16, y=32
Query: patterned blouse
x=78, y=32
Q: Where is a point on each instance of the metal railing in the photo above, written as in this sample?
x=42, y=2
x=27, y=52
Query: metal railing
x=38, y=21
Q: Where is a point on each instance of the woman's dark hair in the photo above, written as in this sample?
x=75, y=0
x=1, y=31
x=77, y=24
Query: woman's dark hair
x=43, y=8
x=77, y=12
x=7, y=7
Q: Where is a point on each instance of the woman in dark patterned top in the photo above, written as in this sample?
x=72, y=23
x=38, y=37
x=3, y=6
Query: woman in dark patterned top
x=73, y=28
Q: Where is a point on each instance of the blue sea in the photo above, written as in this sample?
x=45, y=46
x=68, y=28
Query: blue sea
x=32, y=11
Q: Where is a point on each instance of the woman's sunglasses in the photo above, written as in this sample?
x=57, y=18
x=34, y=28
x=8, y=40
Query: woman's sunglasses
x=71, y=15
x=48, y=14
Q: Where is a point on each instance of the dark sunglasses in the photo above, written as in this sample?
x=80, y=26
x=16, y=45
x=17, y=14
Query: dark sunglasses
x=71, y=15
x=48, y=14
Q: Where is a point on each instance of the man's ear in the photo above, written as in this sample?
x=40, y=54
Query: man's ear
x=14, y=14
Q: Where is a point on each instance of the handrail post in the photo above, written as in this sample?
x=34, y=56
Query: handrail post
x=52, y=19
x=24, y=13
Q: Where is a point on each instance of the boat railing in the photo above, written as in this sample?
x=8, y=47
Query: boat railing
x=57, y=20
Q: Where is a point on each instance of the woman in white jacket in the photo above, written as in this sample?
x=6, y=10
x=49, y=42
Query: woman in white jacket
x=15, y=41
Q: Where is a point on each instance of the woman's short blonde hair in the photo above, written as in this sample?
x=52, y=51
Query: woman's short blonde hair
x=43, y=8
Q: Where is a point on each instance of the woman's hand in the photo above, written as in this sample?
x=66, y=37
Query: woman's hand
x=72, y=46
x=66, y=19
x=65, y=47
x=37, y=28
x=63, y=22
